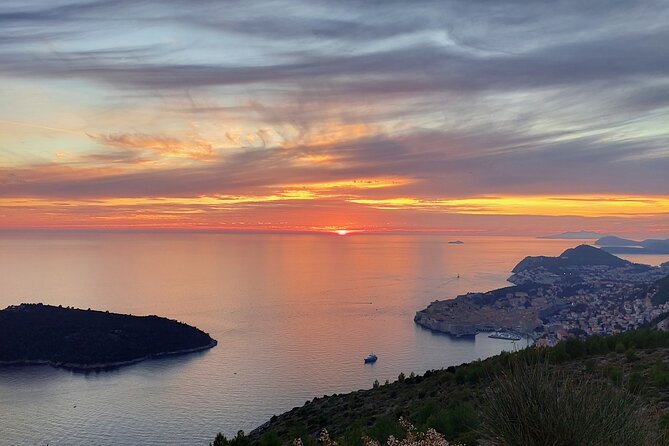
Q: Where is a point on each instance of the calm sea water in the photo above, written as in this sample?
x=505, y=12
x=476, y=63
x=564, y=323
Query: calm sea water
x=294, y=316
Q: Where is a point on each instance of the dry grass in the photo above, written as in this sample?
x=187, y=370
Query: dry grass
x=532, y=405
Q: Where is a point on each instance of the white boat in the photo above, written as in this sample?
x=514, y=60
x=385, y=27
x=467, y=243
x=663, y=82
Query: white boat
x=505, y=335
x=371, y=358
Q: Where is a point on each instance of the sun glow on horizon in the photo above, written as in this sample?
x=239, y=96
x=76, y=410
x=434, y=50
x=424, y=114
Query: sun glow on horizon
x=341, y=210
x=284, y=128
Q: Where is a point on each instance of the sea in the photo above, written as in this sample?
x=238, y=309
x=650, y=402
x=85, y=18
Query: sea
x=294, y=316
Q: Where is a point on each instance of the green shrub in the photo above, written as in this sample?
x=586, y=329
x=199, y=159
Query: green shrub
x=384, y=427
x=532, y=405
x=453, y=421
x=429, y=408
x=590, y=365
x=637, y=383
x=615, y=374
x=660, y=375
x=270, y=438
x=239, y=440
x=630, y=355
x=354, y=433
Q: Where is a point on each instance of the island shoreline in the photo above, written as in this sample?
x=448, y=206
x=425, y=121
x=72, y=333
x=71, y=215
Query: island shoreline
x=91, y=340
x=104, y=366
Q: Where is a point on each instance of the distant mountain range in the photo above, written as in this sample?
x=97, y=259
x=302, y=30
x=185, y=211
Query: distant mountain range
x=618, y=245
x=579, y=235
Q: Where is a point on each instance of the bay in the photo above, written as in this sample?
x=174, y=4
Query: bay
x=294, y=315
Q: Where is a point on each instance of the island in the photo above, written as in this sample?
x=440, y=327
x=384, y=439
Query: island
x=83, y=340
x=456, y=242
x=585, y=291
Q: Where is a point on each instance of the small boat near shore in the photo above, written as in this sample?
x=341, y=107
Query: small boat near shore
x=371, y=358
x=506, y=335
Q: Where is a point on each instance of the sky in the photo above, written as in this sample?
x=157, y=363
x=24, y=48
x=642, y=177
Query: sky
x=463, y=117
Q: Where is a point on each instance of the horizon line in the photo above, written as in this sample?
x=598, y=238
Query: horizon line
x=315, y=231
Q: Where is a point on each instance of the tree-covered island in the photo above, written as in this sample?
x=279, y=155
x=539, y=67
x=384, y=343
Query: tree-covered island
x=90, y=340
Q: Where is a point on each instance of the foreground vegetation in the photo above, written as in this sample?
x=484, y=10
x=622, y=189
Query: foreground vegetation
x=602, y=390
x=533, y=405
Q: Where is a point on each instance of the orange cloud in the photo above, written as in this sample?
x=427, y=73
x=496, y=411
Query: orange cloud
x=360, y=183
x=580, y=205
x=194, y=148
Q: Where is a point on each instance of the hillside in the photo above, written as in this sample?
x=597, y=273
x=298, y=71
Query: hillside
x=88, y=339
x=449, y=400
x=662, y=294
x=582, y=255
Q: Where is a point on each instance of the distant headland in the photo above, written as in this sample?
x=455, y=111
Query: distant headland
x=584, y=291
x=90, y=340
x=617, y=245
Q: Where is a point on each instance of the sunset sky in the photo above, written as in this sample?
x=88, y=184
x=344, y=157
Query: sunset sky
x=472, y=117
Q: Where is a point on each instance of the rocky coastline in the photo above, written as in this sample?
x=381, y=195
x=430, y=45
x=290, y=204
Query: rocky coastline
x=582, y=292
x=461, y=317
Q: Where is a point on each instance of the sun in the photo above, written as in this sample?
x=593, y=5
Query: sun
x=342, y=231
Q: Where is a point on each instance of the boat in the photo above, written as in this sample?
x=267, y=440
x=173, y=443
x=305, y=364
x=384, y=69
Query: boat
x=506, y=335
x=371, y=358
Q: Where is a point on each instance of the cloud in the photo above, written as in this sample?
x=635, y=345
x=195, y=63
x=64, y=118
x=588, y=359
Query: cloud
x=423, y=68
x=443, y=54
x=431, y=100
x=433, y=165
x=194, y=148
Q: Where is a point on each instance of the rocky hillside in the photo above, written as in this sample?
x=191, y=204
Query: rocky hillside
x=450, y=400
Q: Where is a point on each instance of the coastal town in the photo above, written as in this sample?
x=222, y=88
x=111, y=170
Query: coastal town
x=583, y=292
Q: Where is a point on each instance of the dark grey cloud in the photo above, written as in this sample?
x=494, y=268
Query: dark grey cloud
x=424, y=64
x=350, y=30
x=414, y=69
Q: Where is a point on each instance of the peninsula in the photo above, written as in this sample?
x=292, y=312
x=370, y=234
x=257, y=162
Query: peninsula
x=617, y=245
x=90, y=340
x=585, y=291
